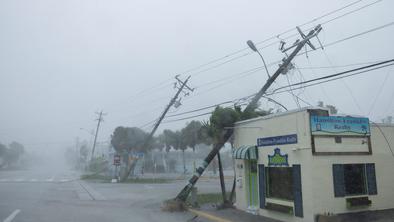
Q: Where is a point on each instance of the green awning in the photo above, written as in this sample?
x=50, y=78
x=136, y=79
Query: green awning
x=246, y=153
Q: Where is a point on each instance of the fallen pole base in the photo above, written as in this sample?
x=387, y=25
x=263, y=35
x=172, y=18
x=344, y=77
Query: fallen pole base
x=173, y=205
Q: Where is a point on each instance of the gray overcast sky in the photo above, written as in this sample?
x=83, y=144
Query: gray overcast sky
x=60, y=61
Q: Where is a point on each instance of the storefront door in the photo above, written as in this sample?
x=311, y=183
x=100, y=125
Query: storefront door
x=252, y=184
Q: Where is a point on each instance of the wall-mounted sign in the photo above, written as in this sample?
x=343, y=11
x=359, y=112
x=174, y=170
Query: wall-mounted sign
x=278, y=159
x=328, y=125
x=277, y=140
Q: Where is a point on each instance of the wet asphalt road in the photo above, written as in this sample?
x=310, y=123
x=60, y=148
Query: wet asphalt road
x=58, y=195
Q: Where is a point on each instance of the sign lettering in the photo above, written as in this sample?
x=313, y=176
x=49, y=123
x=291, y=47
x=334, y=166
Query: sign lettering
x=326, y=125
x=277, y=140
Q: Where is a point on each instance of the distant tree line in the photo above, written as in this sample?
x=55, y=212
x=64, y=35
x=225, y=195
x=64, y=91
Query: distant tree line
x=11, y=154
x=127, y=140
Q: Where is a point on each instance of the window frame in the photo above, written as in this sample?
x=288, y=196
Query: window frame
x=267, y=183
x=364, y=180
x=369, y=180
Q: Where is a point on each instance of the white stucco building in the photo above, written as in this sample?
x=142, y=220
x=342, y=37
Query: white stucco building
x=295, y=165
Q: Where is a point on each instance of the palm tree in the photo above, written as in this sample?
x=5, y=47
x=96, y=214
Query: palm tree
x=220, y=129
x=220, y=119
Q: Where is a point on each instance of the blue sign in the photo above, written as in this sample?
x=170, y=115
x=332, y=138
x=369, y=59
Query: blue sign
x=278, y=159
x=277, y=140
x=326, y=125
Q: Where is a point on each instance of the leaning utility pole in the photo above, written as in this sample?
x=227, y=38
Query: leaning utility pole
x=299, y=44
x=173, y=101
x=99, y=119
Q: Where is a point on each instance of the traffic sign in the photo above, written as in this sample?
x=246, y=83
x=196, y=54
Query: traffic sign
x=116, y=160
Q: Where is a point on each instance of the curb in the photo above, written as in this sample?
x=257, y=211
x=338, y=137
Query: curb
x=208, y=216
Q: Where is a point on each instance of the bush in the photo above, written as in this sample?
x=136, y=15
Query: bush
x=98, y=165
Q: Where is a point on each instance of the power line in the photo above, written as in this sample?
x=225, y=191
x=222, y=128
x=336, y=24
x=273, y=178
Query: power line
x=390, y=103
x=220, y=64
x=185, y=118
x=291, y=92
x=336, y=74
x=301, y=76
x=329, y=80
x=196, y=110
x=351, y=12
x=276, y=91
x=335, y=18
x=301, y=83
x=327, y=45
x=182, y=195
x=283, y=33
x=254, y=102
x=274, y=37
x=384, y=136
x=249, y=71
x=328, y=97
x=346, y=38
x=226, y=81
x=344, y=83
x=339, y=66
x=322, y=23
x=143, y=93
x=351, y=37
x=254, y=70
x=276, y=102
x=149, y=123
x=266, y=40
x=378, y=94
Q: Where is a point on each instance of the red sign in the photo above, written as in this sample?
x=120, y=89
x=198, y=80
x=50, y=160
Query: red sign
x=116, y=160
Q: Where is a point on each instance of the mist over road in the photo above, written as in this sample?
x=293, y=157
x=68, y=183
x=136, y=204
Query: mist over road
x=53, y=192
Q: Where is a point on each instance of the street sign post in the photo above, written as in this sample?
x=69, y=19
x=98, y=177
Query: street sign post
x=116, y=163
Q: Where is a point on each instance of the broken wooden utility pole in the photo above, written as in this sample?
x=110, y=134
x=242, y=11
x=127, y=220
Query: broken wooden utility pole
x=299, y=44
x=173, y=101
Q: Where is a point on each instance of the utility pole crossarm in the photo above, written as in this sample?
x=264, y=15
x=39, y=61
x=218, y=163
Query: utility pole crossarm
x=172, y=101
x=285, y=63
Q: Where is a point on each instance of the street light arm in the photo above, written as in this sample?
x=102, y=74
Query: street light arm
x=265, y=65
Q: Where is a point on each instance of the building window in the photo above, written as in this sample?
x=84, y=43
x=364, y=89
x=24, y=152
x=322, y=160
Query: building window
x=338, y=139
x=279, y=183
x=354, y=176
x=354, y=179
x=253, y=167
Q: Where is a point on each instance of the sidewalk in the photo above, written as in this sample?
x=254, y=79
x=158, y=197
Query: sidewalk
x=229, y=215
x=234, y=215
x=179, y=176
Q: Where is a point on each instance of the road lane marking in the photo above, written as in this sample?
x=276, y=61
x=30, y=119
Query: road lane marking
x=3, y=180
x=12, y=216
x=49, y=179
x=208, y=216
x=19, y=180
x=33, y=180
